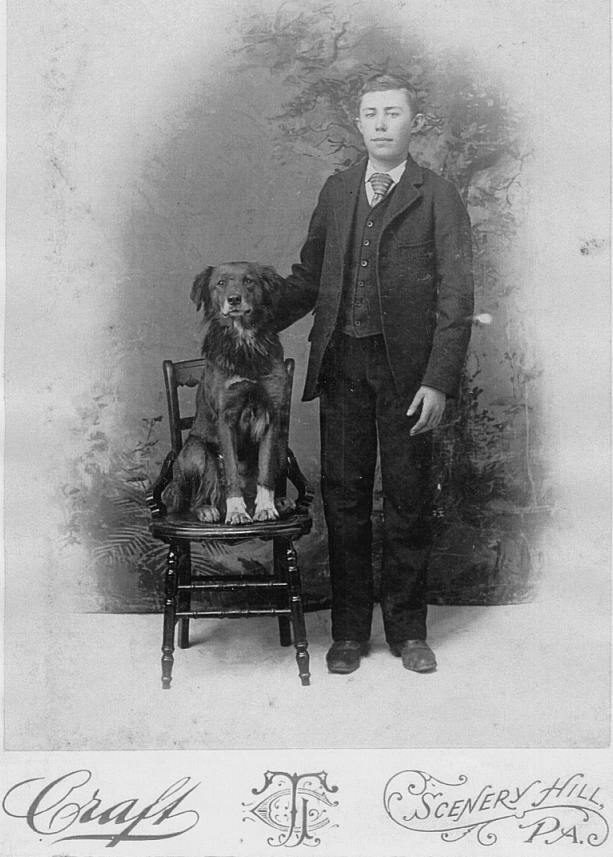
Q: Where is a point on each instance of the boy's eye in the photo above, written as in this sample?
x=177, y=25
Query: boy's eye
x=220, y=282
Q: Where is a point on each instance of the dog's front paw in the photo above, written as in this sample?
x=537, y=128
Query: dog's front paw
x=236, y=511
x=207, y=514
x=265, y=509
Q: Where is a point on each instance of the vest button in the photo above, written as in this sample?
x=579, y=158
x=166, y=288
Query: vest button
x=370, y=224
x=367, y=243
x=364, y=263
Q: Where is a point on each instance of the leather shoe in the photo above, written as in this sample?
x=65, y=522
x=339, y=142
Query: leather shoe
x=416, y=655
x=344, y=656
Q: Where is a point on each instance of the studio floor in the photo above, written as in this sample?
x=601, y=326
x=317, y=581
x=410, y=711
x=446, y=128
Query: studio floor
x=523, y=675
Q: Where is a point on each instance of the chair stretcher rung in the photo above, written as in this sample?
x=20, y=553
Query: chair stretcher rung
x=229, y=587
x=233, y=614
x=233, y=578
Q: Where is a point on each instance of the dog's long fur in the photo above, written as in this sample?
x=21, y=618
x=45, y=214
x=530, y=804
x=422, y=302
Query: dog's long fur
x=231, y=459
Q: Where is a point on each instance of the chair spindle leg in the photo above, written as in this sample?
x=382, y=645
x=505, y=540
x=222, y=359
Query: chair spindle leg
x=300, y=638
x=279, y=559
x=185, y=596
x=169, y=617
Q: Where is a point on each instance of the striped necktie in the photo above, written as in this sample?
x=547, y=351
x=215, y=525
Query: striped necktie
x=381, y=183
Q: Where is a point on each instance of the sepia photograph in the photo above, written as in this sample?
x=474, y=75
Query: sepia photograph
x=307, y=519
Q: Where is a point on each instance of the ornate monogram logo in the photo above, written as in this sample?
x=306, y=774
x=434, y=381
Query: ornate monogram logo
x=296, y=805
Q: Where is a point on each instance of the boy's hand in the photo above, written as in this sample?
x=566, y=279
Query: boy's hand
x=432, y=407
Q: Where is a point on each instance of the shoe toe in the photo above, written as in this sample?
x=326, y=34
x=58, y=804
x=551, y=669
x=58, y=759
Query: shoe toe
x=344, y=656
x=416, y=655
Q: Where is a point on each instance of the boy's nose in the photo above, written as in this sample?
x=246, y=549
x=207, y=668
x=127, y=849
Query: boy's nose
x=381, y=123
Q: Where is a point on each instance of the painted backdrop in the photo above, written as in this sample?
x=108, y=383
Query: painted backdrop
x=157, y=141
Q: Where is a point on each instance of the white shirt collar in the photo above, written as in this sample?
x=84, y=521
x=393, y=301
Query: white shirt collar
x=395, y=175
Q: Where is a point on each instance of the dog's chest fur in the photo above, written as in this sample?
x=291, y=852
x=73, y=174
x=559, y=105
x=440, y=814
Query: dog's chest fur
x=241, y=351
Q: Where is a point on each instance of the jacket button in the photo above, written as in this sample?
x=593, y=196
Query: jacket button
x=367, y=243
x=364, y=263
x=370, y=224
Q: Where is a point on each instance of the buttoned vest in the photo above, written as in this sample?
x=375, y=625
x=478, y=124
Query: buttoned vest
x=360, y=313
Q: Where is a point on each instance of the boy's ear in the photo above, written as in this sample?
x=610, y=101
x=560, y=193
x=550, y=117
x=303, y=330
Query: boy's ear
x=200, y=288
x=419, y=120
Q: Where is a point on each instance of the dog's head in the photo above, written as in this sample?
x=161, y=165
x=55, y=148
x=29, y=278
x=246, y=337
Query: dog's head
x=239, y=293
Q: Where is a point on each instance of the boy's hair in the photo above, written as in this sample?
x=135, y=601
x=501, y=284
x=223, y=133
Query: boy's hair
x=382, y=82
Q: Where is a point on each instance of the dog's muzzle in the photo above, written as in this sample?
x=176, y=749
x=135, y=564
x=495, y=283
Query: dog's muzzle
x=234, y=307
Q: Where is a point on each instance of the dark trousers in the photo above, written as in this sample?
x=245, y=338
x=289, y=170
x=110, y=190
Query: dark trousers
x=358, y=405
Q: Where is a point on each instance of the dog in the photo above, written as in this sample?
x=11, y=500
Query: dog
x=234, y=453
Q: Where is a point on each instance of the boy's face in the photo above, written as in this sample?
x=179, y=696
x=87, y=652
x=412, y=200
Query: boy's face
x=385, y=123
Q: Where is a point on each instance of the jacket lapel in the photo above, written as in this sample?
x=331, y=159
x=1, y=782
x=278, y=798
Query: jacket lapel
x=405, y=193
x=348, y=197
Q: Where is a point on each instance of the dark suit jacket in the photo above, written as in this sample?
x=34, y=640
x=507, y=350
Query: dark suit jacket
x=424, y=278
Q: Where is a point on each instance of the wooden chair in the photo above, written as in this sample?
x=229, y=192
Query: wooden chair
x=283, y=585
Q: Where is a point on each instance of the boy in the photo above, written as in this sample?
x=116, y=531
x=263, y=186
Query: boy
x=386, y=267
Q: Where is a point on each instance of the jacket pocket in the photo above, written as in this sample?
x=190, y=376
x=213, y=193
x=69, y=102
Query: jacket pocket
x=416, y=260
x=424, y=251
x=414, y=245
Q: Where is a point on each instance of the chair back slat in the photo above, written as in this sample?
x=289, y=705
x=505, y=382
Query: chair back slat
x=185, y=423
x=189, y=372
x=172, y=373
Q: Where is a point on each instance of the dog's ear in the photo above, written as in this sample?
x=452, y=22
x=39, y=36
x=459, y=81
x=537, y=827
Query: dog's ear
x=200, y=289
x=272, y=282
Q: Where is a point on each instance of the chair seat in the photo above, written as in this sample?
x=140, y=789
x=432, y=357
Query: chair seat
x=176, y=527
